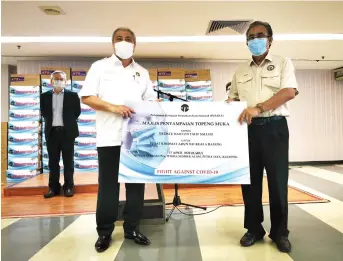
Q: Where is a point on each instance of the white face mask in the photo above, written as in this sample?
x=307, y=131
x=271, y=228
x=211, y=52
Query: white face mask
x=60, y=85
x=124, y=49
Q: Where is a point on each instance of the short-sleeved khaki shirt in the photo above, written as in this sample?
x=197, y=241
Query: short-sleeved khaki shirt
x=256, y=84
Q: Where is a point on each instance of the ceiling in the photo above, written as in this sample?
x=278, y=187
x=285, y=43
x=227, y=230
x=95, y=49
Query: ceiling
x=174, y=18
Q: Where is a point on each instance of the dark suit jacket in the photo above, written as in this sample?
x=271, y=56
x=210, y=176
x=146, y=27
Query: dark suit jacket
x=71, y=111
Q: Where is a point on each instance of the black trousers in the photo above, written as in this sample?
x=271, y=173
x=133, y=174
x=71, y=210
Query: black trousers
x=268, y=149
x=108, y=195
x=59, y=142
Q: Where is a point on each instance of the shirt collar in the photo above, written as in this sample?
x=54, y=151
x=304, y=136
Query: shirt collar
x=53, y=91
x=116, y=61
x=268, y=58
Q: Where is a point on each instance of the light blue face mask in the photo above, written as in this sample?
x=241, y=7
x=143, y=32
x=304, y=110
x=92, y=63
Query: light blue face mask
x=258, y=46
x=146, y=145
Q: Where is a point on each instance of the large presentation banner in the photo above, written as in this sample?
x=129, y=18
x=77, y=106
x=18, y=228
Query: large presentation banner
x=194, y=143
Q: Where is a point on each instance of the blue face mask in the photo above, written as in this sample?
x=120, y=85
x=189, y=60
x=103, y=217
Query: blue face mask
x=146, y=145
x=258, y=46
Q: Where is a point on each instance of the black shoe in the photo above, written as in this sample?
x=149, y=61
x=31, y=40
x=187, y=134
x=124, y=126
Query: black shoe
x=102, y=243
x=51, y=194
x=138, y=237
x=68, y=193
x=283, y=244
x=250, y=238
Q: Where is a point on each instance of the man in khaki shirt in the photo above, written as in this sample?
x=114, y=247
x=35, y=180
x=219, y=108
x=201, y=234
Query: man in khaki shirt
x=266, y=83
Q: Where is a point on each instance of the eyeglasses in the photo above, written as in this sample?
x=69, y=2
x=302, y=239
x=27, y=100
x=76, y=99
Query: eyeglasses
x=259, y=36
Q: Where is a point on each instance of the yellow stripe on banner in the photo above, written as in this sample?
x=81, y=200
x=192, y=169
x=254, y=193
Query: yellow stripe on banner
x=77, y=241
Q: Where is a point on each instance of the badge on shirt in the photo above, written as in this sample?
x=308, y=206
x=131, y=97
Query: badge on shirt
x=136, y=77
x=270, y=67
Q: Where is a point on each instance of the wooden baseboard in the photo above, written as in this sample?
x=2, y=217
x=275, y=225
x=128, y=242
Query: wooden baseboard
x=316, y=163
x=36, y=191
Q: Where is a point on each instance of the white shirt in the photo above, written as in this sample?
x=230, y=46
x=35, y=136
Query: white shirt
x=256, y=84
x=111, y=82
x=57, y=108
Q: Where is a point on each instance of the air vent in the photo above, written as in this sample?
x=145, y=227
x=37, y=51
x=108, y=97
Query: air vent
x=52, y=10
x=237, y=26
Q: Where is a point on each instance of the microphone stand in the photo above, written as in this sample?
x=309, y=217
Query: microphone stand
x=177, y=200
x=171, y=96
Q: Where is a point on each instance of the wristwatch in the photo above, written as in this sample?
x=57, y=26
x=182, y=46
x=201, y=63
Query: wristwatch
x=260, y=107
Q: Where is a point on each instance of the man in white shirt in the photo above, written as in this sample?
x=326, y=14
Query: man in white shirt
x=108, y=84
x=266, y=83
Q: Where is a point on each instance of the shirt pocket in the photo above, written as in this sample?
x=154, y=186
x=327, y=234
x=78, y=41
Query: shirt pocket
x=271, y=82
x=111, y=87
x=136, y=86
x=244, y=85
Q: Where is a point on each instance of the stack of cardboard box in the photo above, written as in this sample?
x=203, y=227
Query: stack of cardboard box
x=3, y=151
x=23, y=127
x=190, y=85
x=172, y=81
x=85, y=153
x=198, y=85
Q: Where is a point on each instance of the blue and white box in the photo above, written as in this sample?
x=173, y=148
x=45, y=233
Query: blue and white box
x=86, y=155
x=23, y=127
x=85, y=109
x=20, y=103
x=171, y=79
x=78, y=78
x=24, y=91
x=82, y=143
x=24, y=115
x=200, y=86
x=29, y=139
x=87, y=131
x=22, y=151
x=171, y=85
x=86, y=120
x=18, y=175
x=77, y=86
x=198, y=80
x=22, y=163
x=86, y=165
x=199, y=96
x=46, y=83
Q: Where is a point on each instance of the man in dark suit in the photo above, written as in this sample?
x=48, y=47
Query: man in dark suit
x=60, y=109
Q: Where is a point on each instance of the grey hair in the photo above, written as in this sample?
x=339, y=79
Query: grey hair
x=60, y=72
x=124, y=29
